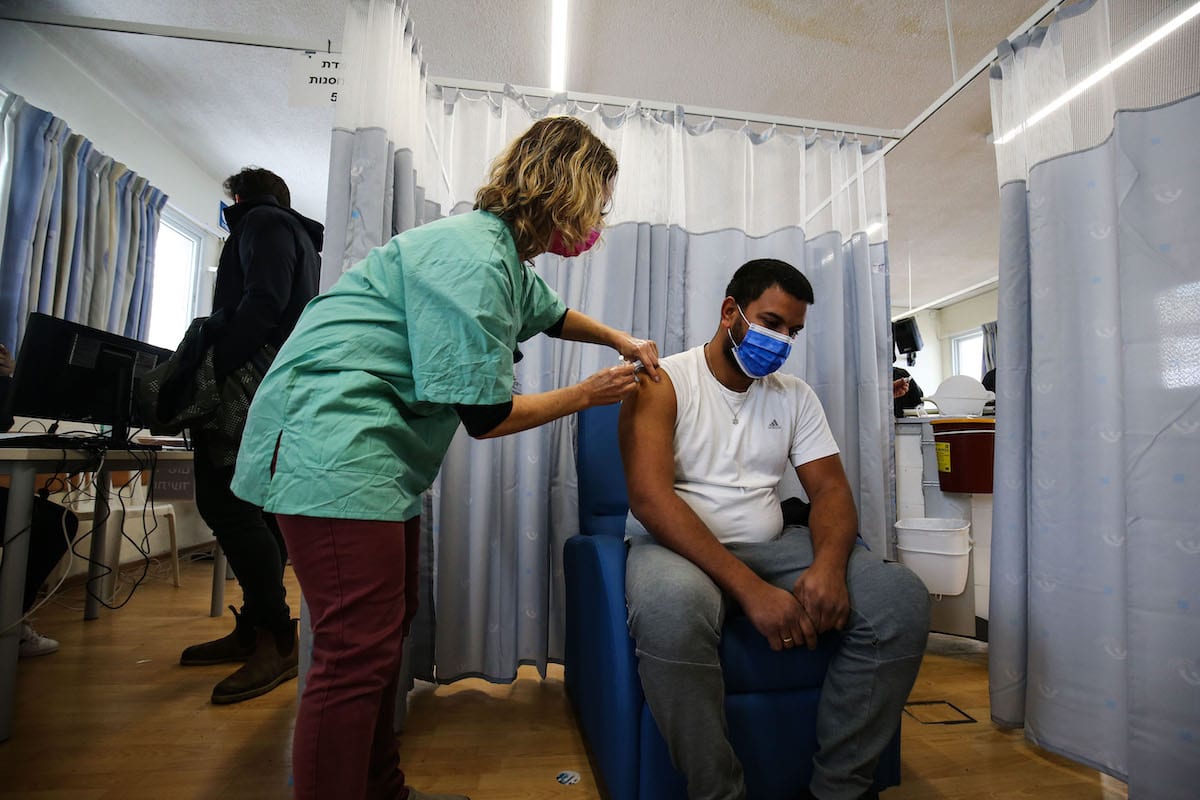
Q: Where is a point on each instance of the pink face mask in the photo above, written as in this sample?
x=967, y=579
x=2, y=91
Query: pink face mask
x=561, y=248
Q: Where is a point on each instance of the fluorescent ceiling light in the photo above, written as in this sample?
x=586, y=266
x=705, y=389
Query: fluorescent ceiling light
x=1124, y=58
x=558, y=45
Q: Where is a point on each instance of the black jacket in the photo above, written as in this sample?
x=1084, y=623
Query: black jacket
x=911, y=399
x=6, y=420
x=269, y=270
x=184, y=392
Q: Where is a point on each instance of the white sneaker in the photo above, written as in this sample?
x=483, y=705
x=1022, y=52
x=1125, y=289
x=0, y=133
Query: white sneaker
x=34, y=644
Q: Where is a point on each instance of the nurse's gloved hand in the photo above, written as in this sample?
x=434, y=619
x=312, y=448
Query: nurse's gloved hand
x=611, y=385
x=643, y=350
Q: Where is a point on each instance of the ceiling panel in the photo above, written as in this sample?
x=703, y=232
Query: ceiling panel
x=943, y=202
x=855, y=62
x=315, y=21
x=850, y=62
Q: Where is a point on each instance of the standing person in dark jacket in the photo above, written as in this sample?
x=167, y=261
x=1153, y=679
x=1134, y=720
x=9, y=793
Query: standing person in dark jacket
x=905, y=392
x=268, y=271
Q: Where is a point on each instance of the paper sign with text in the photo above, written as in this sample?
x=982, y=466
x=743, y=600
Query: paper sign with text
x=314, y=79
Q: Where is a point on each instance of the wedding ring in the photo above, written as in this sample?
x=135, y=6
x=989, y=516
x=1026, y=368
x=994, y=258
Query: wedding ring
x=787, y=640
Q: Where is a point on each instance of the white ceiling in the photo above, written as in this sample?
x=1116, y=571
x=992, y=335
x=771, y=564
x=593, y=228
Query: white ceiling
x=866, y=63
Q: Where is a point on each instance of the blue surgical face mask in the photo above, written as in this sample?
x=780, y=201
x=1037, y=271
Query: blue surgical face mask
x=762, y=350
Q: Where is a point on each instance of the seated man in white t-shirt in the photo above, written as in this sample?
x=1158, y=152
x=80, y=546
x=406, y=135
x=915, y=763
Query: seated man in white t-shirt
x=705, y=450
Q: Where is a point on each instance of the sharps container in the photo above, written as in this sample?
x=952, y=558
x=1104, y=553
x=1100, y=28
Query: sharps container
x=965, y=447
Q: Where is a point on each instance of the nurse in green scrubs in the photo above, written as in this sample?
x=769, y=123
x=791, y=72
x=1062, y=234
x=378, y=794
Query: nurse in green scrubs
x=350, y=425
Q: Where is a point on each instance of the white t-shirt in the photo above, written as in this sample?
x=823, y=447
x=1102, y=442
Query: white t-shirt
x=728, y=473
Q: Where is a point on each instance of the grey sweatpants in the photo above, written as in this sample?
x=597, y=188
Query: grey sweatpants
x=675, y=617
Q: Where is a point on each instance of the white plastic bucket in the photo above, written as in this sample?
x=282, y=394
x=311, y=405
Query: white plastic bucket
x=937, y=550
x=934, y=534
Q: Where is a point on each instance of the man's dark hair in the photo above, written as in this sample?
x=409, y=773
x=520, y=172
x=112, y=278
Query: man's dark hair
x=256, y=182
x=755, y=277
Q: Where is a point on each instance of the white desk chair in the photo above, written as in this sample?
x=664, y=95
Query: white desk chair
x=114, y=526
x=85, y=513
x=221, y=570
x=116, y=522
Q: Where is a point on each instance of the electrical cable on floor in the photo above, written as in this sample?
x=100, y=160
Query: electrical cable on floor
x=60, y=477
x=43, y=493
x=66, y=572
x=144, y=551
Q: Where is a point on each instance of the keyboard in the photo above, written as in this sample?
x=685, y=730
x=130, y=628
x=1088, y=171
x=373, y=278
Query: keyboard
x=54, y=441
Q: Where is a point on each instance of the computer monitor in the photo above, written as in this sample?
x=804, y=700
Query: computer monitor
x=906, y=335
x=68, y=371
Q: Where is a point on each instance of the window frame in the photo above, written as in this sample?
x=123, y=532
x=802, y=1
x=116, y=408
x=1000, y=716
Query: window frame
x=199, y=236
x=955, y=341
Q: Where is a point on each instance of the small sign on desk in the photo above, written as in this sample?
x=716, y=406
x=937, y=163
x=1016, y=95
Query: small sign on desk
x=173, y=480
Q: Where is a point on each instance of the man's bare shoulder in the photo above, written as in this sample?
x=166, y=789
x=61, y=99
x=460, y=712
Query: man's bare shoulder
x=650, y=395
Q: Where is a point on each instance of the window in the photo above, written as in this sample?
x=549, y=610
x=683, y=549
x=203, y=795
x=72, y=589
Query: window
x=966, y=354
x=178, y=257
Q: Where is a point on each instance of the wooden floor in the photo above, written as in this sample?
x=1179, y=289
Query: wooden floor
x=112, y=716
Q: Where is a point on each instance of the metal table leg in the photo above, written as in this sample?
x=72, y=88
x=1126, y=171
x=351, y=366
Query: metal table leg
x=217, y=608
x=96, y=575
x=17, y=528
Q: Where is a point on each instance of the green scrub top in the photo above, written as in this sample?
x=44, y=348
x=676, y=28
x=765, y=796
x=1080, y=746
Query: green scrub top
x=360, y=398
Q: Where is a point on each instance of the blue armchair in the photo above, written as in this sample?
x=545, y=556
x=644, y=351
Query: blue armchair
x=771, y=697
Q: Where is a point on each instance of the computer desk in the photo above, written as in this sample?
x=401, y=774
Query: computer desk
x=23, y=464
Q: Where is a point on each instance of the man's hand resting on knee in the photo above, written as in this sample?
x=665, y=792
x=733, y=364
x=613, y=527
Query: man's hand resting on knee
x=823, y=594
x=779, y=617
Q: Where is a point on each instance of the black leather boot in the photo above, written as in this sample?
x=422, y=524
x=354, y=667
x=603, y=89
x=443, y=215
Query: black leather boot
x=236, y=646
x=275, y=659
x=870, y=794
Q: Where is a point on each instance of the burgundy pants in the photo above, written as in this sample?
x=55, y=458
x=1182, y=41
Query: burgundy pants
x=360, y=581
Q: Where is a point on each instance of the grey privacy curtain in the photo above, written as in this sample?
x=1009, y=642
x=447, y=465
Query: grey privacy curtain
x=77, y=228
x=378, y=143
x=1095, y=629
x=694, y=200
x=989, y=347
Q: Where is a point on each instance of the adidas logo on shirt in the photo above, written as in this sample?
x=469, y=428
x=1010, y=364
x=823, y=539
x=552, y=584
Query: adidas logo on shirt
x=774, y=426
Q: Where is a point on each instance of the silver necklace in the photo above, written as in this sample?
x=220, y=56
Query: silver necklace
x=733, y=412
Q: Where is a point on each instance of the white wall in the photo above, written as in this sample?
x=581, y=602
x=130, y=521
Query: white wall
x=965, y=317
x=48, y=79
x=938, y=327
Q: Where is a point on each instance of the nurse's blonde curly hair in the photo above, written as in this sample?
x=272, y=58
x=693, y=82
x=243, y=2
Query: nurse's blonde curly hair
x=555, y=176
